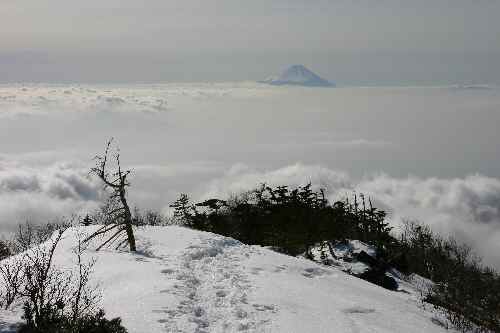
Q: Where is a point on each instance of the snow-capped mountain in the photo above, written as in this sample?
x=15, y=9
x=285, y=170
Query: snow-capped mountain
x=182, y=280
x=299, y=75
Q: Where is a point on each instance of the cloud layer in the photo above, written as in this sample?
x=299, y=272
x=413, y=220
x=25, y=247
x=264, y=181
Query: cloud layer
x=467, y=208
x=212, y=139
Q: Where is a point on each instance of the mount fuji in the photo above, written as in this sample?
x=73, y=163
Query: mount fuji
x=298, y=75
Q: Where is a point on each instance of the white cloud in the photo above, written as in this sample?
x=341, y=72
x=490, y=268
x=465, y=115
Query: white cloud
x=242, y=178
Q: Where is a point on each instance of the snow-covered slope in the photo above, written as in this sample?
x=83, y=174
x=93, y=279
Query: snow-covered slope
x=188, y=281
x=299, y=75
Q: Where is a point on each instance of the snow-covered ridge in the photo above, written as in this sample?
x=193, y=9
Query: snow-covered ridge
x=183, y=280
x=299, y=75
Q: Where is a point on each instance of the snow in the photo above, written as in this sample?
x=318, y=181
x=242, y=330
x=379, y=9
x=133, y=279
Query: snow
x=342, y=255
x=353, y=246
x=298, y=75
x=183, y=280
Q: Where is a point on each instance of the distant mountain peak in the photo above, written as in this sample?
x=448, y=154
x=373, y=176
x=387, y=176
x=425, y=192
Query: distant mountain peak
x=299, y=75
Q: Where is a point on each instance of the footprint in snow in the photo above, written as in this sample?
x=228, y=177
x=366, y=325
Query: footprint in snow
x=315, y=271
x=264, y=307
x=167, y=271
x=256, y=270
x=280, y=268
x=358, y=309
x=439, y=322
x=241, y=314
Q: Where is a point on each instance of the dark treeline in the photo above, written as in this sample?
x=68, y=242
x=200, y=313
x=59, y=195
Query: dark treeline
x=293, y=221
x=470, y=291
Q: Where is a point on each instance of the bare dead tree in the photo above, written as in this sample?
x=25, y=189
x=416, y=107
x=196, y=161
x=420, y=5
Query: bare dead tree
x=25, y=237
x=51, y=296
x=16, y=271
x=29, y=234
x=119, y=217
x=5, y=249
x=43, y=288
x=83, y=298
x=11, y=275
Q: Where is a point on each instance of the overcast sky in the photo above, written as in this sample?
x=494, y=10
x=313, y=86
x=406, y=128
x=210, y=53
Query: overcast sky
x=350, y=42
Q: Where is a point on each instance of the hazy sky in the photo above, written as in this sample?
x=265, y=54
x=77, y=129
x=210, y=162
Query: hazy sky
x=350, y=42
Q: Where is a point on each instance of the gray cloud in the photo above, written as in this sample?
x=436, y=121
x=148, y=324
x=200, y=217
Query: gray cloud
x=44, y=193
x=19, y=183
x=59, y=181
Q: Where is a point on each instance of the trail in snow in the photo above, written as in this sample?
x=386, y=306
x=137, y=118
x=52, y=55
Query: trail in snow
x=211, y=288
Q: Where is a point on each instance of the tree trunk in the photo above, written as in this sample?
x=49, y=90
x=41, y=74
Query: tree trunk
x=128, y=221
x=131, y=237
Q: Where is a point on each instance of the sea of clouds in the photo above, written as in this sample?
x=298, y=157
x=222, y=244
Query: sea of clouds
x=426, y=154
